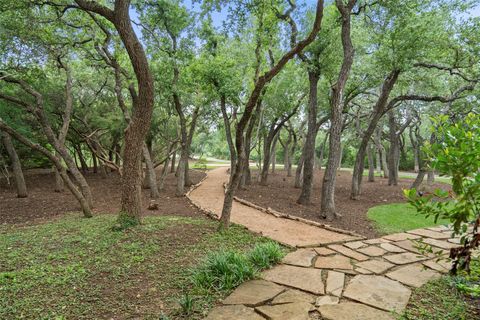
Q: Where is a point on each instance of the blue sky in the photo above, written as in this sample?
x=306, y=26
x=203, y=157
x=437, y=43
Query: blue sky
x=220, y=17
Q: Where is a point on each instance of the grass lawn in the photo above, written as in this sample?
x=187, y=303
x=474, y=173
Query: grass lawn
x=399, y=217
x=439, y=300
x=76, y=268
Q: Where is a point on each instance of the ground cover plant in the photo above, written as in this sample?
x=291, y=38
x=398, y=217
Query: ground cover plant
x=76, y=268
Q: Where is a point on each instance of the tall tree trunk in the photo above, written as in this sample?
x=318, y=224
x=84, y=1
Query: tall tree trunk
x=142, y=107
x=274, y=153
x=299, y=173
x=56, y=160
x=259, y=84
x=328, y=210
x=150, y=173
x=59, y=184
x=174, y=159
x=83, y=163
x=378, y=112
x=94, y=160
x=16, y=166
x=371, y=164
x=309, y=147
x=394, y=151
x=228, y=133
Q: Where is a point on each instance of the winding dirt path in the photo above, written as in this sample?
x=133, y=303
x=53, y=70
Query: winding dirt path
x=209, y=195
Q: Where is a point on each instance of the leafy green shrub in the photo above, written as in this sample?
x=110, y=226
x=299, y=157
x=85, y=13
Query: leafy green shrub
x=469, y=284
x=456, y=154
x=223, y=271
x=226, y=270
x=265, y=255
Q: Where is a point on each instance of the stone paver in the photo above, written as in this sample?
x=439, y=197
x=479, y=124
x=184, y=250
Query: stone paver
x=300, y=257
x=429, y=234
x=333, y=262
x=335, y=282
x=382, y=269
x=233, y=313
x=391, y=248
x=414, y=275
x=352, y=311
x=440, y=266
x=306, y=279
x=322, y=251
x=254, y=293
x=409, y=245
x=375, y=266
x=404, y=258
x=440, y=244
x=401, y=236
x=379, y=292
x=288, y=311
x=323, y=300
x=376, y=241
x=292, y=295
x=363, y=271
x=348, y=252
x=355, y=245
x=372, y=251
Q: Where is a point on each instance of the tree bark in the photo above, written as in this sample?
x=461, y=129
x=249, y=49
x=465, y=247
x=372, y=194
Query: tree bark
x=394, y=151
x=328, y=210
x=16, y=166
x=259, y=85
x=378, y=112
x=142, y=107
x=309, y=147
x=299, y=173
x=56, y=160
x=371, y=164
x=150, y=173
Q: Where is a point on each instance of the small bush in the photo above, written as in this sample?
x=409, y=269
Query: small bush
x=469, y=284
x=265, y=255
x=226, y=270
x=223, y=271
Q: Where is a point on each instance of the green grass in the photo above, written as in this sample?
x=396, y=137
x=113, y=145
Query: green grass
x=438, y=300
x=76, y=268
x=399, y=217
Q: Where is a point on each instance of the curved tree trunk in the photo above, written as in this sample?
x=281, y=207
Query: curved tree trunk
x=378, y=112
x=371, y=164
x=394, y=151
x=299, y=173
x=309, y=147
x=259, y=84
x=16, y=166
x=150, y=173
x=327, y=208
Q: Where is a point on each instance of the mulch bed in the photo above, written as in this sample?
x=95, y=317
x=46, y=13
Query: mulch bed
x=281, y=195
x=43, y=203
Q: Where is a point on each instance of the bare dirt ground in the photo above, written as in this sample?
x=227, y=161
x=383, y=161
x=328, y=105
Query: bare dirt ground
x=43, y=203
x=281, y=195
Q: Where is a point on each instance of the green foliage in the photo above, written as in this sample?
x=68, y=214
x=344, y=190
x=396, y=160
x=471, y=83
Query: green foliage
x=265, y=255
x=399, y=217
x=60, y=269
x=469, y=283
x=223, y=271
x=437, y=300
x=457, y=154
x=125, y=221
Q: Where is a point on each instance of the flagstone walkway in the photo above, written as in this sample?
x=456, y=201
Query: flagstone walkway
x=333, y=277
